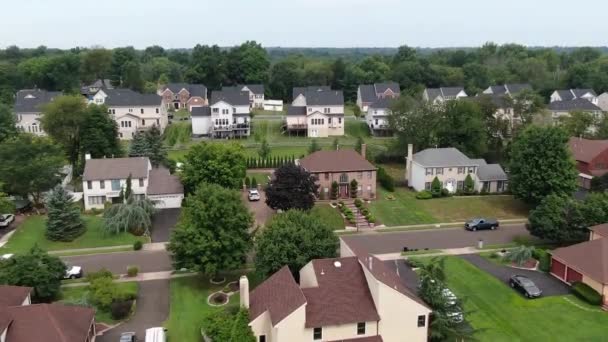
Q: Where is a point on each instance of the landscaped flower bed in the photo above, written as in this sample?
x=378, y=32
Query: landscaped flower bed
x=218, y=299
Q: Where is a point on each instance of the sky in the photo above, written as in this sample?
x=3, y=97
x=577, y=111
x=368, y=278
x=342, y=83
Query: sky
x=302, y=23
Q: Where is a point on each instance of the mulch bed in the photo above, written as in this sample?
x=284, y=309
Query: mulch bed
x=218, y=299
x=531, y=264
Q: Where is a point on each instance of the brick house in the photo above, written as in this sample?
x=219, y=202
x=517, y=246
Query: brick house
x=367, y=94
x=342, y=166
x=591, y=159
x=184, y=95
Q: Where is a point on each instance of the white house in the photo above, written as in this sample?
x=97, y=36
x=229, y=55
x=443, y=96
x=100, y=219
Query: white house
x=273, y=105
x=440, y=95
x=602, y=101
x=451, y=167
x=573, y=94
x=228, y=116
x=370, y=93
x=28, y=108
x=377, y=116
x=507, y=89
x=564, y=108
x=133, y=111
x=318, y=111
x=103, y=180
x=255, y=92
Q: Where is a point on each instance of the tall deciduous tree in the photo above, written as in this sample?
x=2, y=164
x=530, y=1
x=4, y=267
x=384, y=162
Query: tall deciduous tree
x=120, y=58
x=222, y=164
x=207, y=66
x=64, y=222
x=248, y=63
x=212, y=234
x=293, y=238
x=7, y=123
x=291, y=188
x=100, y=134
x=264, y=151
x=96, y=64
x=132, y=215
x=30, y=166
x=541, y=164
x=578, y=123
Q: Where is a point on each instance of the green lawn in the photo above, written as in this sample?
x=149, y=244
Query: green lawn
x=260, y=177
x=501, y=314
x=189, y=306
x=78, y=295
x=406, y=209
x=32, y=231
x=329, y=215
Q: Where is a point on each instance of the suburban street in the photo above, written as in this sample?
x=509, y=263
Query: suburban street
x=147, y=261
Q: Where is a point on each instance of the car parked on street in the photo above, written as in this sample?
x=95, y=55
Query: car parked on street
x=6, y=220
x=480, y=224
x=525, y=285
x=128, y=337
x=73, y=272
x=253, y=195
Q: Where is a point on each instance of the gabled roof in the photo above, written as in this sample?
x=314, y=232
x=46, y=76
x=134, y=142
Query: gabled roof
x=444, y=92
x=201, y=111
x=491, y=172
x=128, y=97
x=382, y=103
x=162, y=182
x=336, y=161
x=383, y=87
x=302, y=90
x=49, y=323
x=230, y=96
x=32, y=100
x=115, y=168
x=296, y=110
x=585, y=150
x=576, y=104
x=280, y=295
x=582, y=92
x=576, y=93
x=442, y=157
x=324, y=98
x=368, y=93
x=600, y=229
x=342, y=295
x=254, y=88
x=510, y=88
x=13, y=295
x=194, y=89
x=589, y=258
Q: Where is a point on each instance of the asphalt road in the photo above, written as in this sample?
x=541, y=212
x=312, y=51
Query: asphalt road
x=384, y=243
x=147, y=261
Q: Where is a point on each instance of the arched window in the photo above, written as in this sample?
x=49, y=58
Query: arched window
x=344, y=178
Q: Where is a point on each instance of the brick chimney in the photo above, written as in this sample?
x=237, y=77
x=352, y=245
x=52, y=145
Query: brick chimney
x=363, y=148
x=244, y=291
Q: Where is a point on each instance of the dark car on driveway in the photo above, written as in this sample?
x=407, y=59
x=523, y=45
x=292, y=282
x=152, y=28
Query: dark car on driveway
x=480, y=224
x=128, y=337
x=524, y=285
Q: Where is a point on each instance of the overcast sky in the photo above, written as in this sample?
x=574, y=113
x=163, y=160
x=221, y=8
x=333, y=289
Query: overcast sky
x=302, y=23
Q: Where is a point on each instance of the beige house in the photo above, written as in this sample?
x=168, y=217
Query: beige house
x=352, y=298
x=452, y=167
x=442, y=94
x=318, y=112
x=367, y=94
x=28, y=109
x=342, y=166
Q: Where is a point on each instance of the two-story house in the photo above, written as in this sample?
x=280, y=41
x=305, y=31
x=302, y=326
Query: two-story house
x=602, y=101
x=370, y=93
x=132, y=111
x=451, y=167
x=184, y=95
x=510, y=89
x=591, y=158
x=88, y=90
x=103, y=180
x=442, y=94
x=28, y=108
x=255, y=91
x=377, y=116
x=573, y=94
x=228, y=116
x=318, y=111
x=351, y=298
x=559, y=109
x=342, y=166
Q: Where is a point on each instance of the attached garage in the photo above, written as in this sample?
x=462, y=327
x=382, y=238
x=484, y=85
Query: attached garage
x=165, y=189
x=558, y=269
x=167, y=201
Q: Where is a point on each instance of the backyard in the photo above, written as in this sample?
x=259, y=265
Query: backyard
x=405, y=209
x=32, y=231
x=500, y=314
x=78, y=295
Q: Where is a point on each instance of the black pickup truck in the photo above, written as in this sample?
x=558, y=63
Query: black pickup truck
x=481, y=223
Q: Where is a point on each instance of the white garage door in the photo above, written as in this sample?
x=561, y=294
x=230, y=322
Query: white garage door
x=167, y=201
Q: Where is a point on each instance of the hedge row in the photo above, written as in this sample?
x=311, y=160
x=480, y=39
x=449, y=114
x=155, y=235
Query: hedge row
x=544, y=259
x=269, y=163
x=586, y=293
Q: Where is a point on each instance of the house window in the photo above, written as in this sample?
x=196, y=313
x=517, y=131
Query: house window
x=339, y=120
x=89, y=185
x=460, y=185
x=369, y=174
x=329, y=120
x=421, y=321
x=326, y=190
x=130, y=110
x=262, y=338
x=216, y=110
x=116, y=185
x=344, y=178
x=233, y=110
x=102, y=184
x=439, y=171
x=327, y=176
x=361, y=328
x=309, y=109
x=359, y=175
x=141, y=182
x=429, y=171
x=141, y=111
x=157, y=110
x=600, y=166
x=460, y=170
x=427, y=186
x=94, y=200
x=143, y=122
x=158, y=122
x=471, y=169
x=317, y=334
x=326, y=110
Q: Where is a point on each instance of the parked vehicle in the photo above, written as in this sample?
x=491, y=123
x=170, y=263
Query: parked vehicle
x=128, y=337
x=253, y=195
x=480, y=224
x=156, y=335
x=525, y=285
x=6, y=220
x=73, y=272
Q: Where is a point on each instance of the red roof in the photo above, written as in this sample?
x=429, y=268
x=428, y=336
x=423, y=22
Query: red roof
x=336, y=161
x=13, y=295
x=280, y=295
x=600, y=229
x=585, y=150
x=342, y=295
x=589, y=258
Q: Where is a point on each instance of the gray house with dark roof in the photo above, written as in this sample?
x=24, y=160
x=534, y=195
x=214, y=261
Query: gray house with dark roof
x=28, y=108
x=573, y=94
x=317, y=111
x=564, y=108
x=370, y=93
x=184, y=95
x=255, y=92
x=507, y=89
x=451, y=167
x=227, y=116
x=442, y=94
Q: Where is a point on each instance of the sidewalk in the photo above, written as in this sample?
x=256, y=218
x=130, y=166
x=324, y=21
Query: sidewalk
x=443, y=252
x=140, y=277
x=426, y=226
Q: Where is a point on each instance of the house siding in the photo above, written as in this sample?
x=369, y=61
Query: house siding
x=366, y=184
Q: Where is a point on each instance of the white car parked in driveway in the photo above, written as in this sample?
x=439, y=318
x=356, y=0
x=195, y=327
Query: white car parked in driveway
x=6, y=220
x=253, y=195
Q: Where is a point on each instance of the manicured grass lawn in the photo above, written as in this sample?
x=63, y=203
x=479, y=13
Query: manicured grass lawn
x=501, y=314
x=189, y=305
x=406, y=209
x=78, y=295
x=329, y=215
x=260, y=177
x=32, y=231
x=397, y=171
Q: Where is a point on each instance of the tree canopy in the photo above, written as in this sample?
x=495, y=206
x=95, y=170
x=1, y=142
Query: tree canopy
x=291, y=188
x=222, y=164
x=64, y=222
x=7, y=123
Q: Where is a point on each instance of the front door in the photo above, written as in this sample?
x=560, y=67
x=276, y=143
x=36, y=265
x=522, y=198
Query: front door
x=344, y=190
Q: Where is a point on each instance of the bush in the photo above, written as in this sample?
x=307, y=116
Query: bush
x=132, y=271
x=254, y=183
x=103, y=292
x=586, y=293
x=354, y=188
x=385, y=180
x=436, y=187
x=544, y=259
x=137, y=245
x=247, y=182
x=371, y=219
x=120, y=309
x=445, y=193
x=334, y=190
x=424, y=195
x=102, y=273
x=469, y=185
x=358, y=203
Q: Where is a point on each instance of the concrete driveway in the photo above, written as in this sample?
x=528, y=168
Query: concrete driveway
x=548, y=284
x=147, y=261
x=163, y=222
x=151, y=311
x=384, y=243
x=261, y=212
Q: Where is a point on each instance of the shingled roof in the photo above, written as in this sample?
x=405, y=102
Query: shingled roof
x=302, y=90
x=128, y=97
x=162, y=182
x=600, y=229
x=320, y=96
x=32, y=100
x=585, y=150
x=115, y=168
x=201, y=111
x=590, y=258
x=13, y=295
x=230, y=96
x=572, y=105
x=336, y=161
x=194, y=89
x=438, y=157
